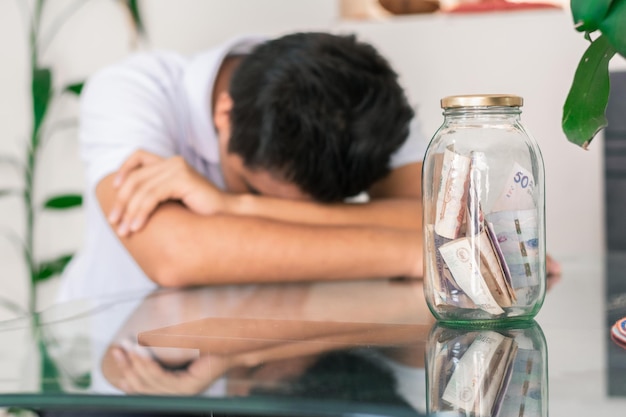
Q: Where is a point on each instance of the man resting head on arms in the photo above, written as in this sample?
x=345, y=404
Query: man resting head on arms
x=234, y=166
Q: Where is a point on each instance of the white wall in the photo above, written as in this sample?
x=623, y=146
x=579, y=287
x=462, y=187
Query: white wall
x=533, y=54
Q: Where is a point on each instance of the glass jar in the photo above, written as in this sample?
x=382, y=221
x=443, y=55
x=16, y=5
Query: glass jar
x=479, y=372
x=484, y=213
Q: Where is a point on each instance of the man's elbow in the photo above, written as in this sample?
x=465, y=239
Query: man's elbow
x=166, y=277
x=165, y=268
x=167, y=249
x=173, y=269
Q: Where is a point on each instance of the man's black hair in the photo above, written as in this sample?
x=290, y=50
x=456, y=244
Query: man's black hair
x=342, y=375
x=322, y=111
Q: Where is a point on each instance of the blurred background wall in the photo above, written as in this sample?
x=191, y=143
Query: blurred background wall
x=532, y=53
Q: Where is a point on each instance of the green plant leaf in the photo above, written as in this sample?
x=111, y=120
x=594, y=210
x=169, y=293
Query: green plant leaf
x=48, y=269
x=10, y=161
x=12, y=307
x=50, y=374
x=8, y=191
x=614, y=24
x=42, y=92
x=75, y=88
x=588, y=14
x=133, y=8
x=82, y=381
x=16, y=411
x=62, y=202
x=585, y=106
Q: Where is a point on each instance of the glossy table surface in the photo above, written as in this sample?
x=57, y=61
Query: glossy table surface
x=310, y=349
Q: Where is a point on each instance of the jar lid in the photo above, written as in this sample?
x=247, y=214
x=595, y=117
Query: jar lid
x=482, y=100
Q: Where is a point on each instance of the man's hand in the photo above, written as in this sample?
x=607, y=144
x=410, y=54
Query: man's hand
x=140, y=373
x=146, y=180
x=553, y=271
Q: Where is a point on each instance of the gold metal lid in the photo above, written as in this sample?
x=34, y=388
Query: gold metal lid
x=482, y=100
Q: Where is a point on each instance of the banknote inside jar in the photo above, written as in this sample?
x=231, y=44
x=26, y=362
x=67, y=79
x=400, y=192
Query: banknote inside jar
x=483, y=260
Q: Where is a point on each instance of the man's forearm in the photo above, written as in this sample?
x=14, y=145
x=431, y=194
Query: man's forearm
x=395, y=202
x=402, y=213
x=179, y=248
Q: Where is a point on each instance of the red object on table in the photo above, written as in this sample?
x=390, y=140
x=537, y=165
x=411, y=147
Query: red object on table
x=499, y=5
x=618, y=333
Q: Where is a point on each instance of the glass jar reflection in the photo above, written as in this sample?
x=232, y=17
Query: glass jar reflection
x=487, y=372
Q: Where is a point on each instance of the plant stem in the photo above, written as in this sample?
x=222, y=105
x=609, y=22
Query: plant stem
x=34, y=33
x=31, y=152
x=29, y=238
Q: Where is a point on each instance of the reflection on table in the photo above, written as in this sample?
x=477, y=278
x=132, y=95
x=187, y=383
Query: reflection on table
x=298, y=349
x=304, y=349
x=240, y=341
x=487, y=372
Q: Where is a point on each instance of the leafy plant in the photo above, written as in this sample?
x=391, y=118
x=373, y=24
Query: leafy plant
x=42, y=97
x=585, y=106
